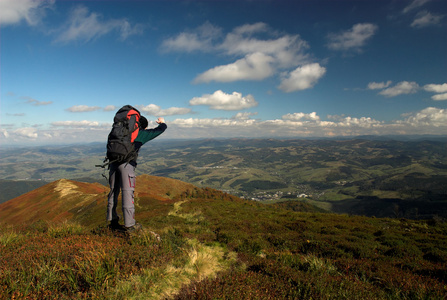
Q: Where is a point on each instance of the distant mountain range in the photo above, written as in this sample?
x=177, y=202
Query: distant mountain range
x=384, y=176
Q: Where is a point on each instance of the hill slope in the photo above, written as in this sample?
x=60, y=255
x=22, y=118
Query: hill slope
x=212, y=245
x=85, y=203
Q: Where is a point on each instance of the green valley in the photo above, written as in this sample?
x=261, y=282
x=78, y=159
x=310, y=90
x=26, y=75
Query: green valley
x=366, y=176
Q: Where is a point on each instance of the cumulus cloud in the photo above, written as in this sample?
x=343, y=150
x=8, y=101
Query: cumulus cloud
x=439, y=97
x=402, y=88
x=436, y=88
x=441, y=89
x=430, y=120
x=291, y=125
x=425, y=18
x=302, y=78
x=287, y=50
x=211, y=123
x=379, y=85
x=314, y=122
x=14, y=11
x=83, y=25
x=155, y=110
x=26, y=132
x=260, y=51
x=82, y=108
x=222, y=101
x=353, y=39
x=301, y=116
x=256, y=66
x=363, y=122
x=430, y=116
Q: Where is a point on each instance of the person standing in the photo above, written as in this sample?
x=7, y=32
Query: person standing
x=122, y=178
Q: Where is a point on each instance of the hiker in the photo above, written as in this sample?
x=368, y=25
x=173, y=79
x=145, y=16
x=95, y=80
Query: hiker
x=122, y=177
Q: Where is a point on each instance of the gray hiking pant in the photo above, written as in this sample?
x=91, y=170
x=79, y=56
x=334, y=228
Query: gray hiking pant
x=122, y=177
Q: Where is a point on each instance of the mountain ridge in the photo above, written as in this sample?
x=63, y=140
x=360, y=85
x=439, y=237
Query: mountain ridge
x=65, y=199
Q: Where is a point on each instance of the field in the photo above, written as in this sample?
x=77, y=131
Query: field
x=205, y=244
x=383, y=178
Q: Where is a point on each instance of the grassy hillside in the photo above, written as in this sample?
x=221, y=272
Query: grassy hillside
x=210, y=245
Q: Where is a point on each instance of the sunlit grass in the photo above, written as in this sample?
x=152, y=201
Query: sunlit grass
x=64, y=229
x=9, y=236
x=200, y=261
x=215, y=246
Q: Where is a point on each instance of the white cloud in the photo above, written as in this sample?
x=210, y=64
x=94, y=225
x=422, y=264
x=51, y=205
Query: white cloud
x=439, y=97
x=413, y=5
x=302, y=78
x=436, y=88
x=301, y=116
x=199, y=40
x=402, y=88
x=425, y=18
x=14, y=11
x=256, y=66
x=430, y=120
x=314, y=120
x=363, y=122
x=222, y=101
x=291, y=125
x=207, y=123
x=155, y=110
x=287, y=50
x=84, y=25
x=379, y=85
x=82, y=108
x=441, y=89
x=354, y=38
x=262, y=52
x=26, y=132
x=430, y=116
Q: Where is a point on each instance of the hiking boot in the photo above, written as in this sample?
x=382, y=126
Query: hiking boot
x=134, y=228
x=114, y=224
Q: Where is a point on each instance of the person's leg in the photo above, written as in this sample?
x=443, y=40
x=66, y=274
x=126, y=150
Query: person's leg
x=128, y=187
x=114, y=183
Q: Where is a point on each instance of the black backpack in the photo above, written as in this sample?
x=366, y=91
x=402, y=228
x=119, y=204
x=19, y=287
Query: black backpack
x=120, y=142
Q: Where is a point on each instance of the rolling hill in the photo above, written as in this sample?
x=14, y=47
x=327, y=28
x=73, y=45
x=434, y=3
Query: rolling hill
x=65, y=200
x=372, y=176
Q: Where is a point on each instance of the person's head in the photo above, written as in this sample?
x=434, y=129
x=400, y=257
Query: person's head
x=143, y=122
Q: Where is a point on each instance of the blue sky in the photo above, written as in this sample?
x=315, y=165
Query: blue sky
x=218, y=69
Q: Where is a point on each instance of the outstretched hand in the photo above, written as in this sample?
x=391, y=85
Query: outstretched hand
x=160, y=120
